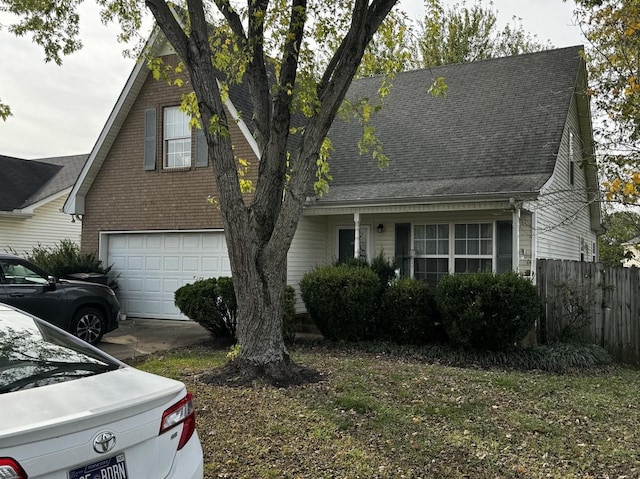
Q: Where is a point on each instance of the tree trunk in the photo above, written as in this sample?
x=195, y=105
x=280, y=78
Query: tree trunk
x=260, y=304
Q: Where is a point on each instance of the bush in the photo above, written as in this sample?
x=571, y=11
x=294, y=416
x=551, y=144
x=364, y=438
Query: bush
x=341, y=300
x=65, y=258
x=211, y=303
x=407, y=313
x=486, y=311
x=386, y=270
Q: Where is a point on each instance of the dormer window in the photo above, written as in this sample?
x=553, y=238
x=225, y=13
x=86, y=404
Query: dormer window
x=177, y=139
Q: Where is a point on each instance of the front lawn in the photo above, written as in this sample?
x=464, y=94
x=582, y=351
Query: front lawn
x=387, y=416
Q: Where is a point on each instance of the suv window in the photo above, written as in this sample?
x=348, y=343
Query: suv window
x=18, y=273
x=33, y=354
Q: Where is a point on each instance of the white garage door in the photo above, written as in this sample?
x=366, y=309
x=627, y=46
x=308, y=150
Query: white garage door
x=153, y=265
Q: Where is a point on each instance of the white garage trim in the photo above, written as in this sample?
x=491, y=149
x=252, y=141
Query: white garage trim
x=152, y=265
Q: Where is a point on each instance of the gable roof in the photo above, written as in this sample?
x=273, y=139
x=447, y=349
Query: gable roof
x=496, y=133
x=24, y=183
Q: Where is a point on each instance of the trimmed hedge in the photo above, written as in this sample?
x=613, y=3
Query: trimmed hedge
x=341, y=300
x=407, y=313
x=212, y=303
x=486, y=311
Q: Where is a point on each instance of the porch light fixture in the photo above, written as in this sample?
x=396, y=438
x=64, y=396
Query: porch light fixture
x=380, y=228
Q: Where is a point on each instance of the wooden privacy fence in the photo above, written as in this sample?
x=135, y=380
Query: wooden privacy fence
x=592, y=302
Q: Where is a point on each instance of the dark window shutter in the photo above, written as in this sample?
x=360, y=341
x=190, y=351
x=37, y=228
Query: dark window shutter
x=150, y=139
x=202, y=153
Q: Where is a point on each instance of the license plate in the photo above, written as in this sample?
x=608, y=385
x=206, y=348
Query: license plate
x=109, y=468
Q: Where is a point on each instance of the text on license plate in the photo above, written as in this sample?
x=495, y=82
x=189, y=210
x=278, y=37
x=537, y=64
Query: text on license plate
x=109, y=468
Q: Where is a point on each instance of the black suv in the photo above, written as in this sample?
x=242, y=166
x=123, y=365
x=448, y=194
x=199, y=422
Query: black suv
x=87, y=310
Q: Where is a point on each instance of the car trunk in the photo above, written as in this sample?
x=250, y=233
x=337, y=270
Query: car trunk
x=56, y=430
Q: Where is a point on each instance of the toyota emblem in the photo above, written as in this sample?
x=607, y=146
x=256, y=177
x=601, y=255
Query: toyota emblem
x=104, y=442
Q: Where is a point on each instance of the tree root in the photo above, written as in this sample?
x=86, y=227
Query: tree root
x=282, y=374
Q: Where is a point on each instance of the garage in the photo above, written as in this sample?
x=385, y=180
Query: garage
x=151, y=266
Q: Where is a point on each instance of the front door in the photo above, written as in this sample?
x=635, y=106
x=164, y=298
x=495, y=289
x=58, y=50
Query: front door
x=346, y=243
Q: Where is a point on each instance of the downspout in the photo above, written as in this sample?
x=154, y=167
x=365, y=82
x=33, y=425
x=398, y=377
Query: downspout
x=534, y=245
x=356, y=239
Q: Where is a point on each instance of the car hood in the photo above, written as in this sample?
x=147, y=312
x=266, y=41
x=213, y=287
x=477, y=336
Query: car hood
x=27, y=416
x=77, y=282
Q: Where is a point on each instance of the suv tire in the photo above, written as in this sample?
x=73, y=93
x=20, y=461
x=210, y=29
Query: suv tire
x=88, y=324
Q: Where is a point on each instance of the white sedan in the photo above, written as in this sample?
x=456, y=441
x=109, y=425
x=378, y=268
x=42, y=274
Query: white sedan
x=70, y=411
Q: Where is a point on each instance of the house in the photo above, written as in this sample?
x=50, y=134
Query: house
x=32, y=194
x=495, y=175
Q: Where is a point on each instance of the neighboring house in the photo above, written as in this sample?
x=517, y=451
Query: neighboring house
x=495, y=175
x=32, y=194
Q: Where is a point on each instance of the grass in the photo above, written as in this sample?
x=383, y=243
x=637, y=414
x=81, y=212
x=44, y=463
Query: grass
x=384, y=415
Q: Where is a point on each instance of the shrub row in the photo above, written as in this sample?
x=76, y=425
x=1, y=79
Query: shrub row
x=212, y=303
x=483, y=311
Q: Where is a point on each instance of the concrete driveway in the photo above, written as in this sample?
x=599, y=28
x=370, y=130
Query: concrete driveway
x=137, y=337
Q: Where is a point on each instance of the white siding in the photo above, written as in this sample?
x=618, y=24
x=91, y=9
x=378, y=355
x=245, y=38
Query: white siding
x=46, y=227
x=525, y=252
x=308, y=250
x=562, y=211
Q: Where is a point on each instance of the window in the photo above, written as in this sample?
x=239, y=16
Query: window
x=571, y=160
x=177, y=138
x=431, y=247
x=473, y=247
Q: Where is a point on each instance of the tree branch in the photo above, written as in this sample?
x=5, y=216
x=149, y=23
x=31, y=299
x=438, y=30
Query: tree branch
x=169, y=25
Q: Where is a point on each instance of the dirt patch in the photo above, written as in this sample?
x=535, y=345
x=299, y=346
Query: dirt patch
x=243, y=374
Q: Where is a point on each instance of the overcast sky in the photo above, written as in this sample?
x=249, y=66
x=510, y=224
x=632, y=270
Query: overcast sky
x=61, y=110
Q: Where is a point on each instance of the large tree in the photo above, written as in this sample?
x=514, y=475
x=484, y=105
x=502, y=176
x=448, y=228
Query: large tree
x=612, y=28
x=260, y=37
x=468, y=33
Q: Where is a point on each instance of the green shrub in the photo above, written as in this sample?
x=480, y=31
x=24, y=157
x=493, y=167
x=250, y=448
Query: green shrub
x=211, y=303
x=386, y=270
x=341, y=300
x=65, y=258
x=407, y=313
x=486, y=311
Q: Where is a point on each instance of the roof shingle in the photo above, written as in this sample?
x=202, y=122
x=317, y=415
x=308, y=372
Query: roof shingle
x=498, y=130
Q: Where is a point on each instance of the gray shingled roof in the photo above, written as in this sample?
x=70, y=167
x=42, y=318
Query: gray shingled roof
x=497, y=131
x=25, y=182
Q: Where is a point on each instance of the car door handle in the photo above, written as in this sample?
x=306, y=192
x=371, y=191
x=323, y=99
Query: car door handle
x=16, y=295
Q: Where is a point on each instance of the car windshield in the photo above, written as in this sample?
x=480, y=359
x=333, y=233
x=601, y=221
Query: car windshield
x=33, y=354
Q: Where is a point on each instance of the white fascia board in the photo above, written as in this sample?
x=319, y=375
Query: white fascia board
x=29, y=210
x=242, y=125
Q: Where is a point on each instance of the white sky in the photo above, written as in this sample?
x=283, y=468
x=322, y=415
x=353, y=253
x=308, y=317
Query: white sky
x=61, y=110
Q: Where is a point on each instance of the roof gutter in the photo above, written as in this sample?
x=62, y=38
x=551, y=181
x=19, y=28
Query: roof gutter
x=312, y=203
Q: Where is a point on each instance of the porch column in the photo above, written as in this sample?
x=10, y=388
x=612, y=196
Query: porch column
x=356, y=239
x=515, y=256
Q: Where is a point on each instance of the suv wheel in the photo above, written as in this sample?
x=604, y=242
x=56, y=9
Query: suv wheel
x=88, y=325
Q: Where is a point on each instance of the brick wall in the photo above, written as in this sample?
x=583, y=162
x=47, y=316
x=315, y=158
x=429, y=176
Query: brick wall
x=125, y=197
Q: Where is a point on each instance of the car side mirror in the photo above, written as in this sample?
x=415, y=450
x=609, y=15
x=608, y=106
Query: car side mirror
x=52, y=281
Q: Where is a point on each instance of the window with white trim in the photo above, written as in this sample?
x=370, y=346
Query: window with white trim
x=473, y=249
x=431, y=252
x=177, y=138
